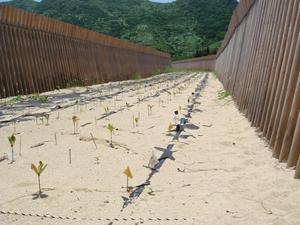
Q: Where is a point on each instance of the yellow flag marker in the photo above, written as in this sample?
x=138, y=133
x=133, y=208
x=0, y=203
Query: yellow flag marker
x=128, y=174
x=170, y=127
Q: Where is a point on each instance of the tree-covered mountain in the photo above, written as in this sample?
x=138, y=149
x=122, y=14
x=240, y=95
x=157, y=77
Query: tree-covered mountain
x=183, y=28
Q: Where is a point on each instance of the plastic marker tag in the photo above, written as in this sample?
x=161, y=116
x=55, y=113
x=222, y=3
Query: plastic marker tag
x=128, y=173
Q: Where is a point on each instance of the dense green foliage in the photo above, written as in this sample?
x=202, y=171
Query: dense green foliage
x=181, y=28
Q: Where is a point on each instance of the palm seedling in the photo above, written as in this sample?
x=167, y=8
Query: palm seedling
x=12, y=141
x=47, y=116
x=106, y=109
x=111, y=130
x=75, y=123
x=150, y=109
x=38, y=171
x=136, y=120
x=42, y=120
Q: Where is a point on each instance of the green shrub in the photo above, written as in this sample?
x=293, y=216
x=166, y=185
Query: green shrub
x=223, y=94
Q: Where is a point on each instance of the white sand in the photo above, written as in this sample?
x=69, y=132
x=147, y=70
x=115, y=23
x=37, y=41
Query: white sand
x=229, y=176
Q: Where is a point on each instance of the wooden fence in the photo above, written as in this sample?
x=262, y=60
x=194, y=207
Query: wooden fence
x=203, y=63
x=39, y=54
x=259, y=64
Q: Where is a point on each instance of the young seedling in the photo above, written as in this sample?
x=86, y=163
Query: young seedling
x=97, y=160
x=12, y=141
x=150, y=109
x=38, y=171
x=106, y=109
x=47, y=116
x=136, y=120
x=42, y=119
x=111, y=130
x=75, y=123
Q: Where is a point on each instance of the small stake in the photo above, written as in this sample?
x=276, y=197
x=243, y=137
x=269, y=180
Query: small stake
x=55, y=138
x=94, y=140
x=70, y=156
x=133, y=122
x=15, y=129
x=57, y=115
x=20, y=152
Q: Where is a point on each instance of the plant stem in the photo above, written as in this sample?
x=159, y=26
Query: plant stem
x=12, y=154
x=39, y=181
x=111, y=138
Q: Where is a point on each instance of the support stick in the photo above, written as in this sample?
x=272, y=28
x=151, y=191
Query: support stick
x=94, y=140
x=20, y=152
x=15, y=130
x=55, y=138
x=133, y=121
x=70, y=156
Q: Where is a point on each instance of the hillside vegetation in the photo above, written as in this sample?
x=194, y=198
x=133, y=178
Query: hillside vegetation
x=184, y=28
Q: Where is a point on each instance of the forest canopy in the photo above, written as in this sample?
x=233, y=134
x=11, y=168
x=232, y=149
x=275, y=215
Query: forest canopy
x=184, y=28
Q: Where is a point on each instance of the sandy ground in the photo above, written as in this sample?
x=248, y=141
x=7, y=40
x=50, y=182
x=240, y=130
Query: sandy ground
x=218, y=171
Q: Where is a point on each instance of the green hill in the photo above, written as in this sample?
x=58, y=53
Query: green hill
x=183, y=28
